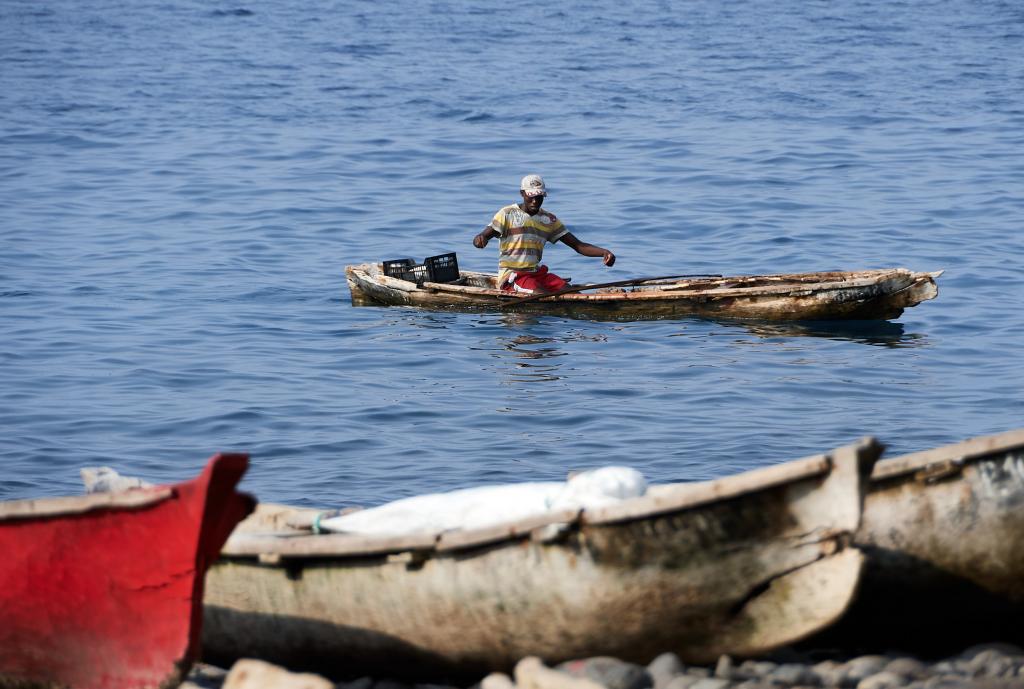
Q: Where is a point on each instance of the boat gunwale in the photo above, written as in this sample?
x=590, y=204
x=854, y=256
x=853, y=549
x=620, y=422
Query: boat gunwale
x=965, y=452
x=35, y=508
x=666, y=498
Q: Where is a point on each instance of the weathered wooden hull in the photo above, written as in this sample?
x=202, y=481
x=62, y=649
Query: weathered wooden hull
x=943, y=532
x=853, y=295
x=739, y=565
x=105, y=591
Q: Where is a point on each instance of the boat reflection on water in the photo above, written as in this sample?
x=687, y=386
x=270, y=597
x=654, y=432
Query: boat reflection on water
x=878, y=333
x=523, y=345
x=869, y=332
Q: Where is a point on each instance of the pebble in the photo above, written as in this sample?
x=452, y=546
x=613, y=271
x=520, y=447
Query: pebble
x=756, y=668
x=910, y=668
x=793, y=674
x=882, y=680
x=683, y=682
x=990, y=664
x=711, y=683
x=829, y=672
x=205, y=676
x=863, y=667
x=497, y=680
x=531, y=673
x=256, y=674
x=611, y=673
x=999, y=649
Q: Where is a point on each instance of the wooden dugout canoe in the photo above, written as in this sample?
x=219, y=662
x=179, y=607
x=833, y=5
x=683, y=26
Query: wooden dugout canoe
x=737, y=565
x=837, y=295
x=105, y=591
x=943, y=532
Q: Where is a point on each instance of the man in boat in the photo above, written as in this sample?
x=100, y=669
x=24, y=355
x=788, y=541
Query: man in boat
x=524, y=229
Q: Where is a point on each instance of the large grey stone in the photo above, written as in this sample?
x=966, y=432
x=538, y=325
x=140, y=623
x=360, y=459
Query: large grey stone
x=911, y=668
x=664, y=669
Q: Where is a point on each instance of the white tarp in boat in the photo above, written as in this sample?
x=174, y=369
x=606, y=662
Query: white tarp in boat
x=473, y=508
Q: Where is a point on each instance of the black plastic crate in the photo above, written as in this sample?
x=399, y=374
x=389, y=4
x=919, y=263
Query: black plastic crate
x=416, y=273
x=398, y=267
x=443, y=268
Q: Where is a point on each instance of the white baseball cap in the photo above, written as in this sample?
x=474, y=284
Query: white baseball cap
x=533, y=185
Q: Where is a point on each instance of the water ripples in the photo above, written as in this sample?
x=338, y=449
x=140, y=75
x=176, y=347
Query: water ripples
x=182, y=187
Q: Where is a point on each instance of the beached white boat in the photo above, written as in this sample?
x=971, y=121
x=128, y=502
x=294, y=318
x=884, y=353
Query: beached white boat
x=943, y=531
x=738, y=565
x=834, y=295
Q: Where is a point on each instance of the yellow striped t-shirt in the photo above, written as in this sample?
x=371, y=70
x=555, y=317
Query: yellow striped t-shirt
x=523, y=237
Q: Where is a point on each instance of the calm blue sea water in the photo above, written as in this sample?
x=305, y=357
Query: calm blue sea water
x=182, y=183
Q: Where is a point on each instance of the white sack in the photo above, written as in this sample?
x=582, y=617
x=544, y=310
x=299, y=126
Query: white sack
x=473, y=508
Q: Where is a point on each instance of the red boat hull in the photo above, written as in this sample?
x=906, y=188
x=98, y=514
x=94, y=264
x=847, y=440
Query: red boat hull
x=105, y=591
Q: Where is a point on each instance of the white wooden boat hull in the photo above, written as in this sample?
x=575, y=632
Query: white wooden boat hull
x=943, y=532
x=739, y=565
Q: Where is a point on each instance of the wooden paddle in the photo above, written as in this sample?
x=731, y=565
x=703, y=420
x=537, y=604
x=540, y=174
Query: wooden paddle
x=580, y=288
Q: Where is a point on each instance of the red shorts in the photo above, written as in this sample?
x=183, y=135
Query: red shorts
x=538, y=281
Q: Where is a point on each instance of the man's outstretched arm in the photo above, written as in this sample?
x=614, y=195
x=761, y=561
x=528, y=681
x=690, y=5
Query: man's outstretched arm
x=585, y=249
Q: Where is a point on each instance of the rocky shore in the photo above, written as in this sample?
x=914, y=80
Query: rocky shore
x=988, y=666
